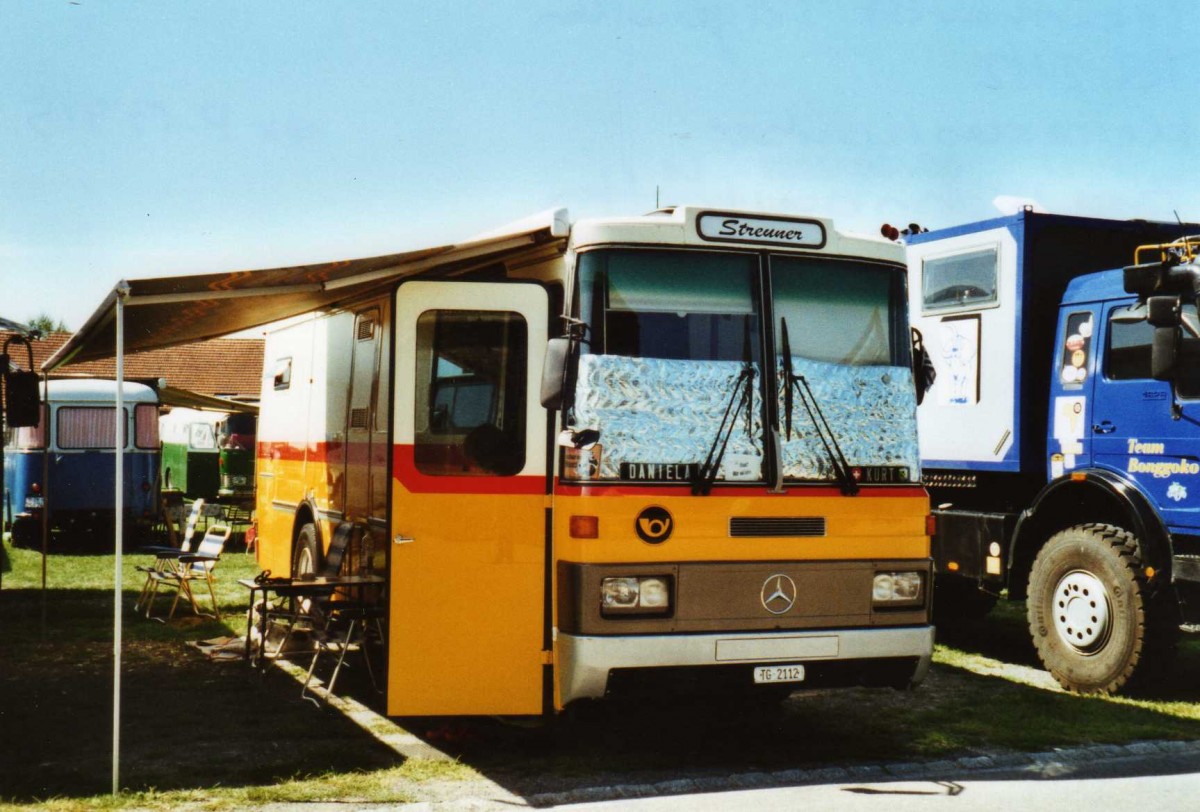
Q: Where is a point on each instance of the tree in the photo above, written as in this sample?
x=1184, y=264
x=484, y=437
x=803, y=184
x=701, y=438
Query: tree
x=46, y=323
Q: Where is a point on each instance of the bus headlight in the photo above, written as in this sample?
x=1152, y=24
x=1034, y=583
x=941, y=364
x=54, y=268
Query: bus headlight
x=643, y=595
x=896, y=587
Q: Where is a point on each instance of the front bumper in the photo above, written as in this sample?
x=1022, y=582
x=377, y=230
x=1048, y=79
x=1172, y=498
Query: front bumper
x=585, y=662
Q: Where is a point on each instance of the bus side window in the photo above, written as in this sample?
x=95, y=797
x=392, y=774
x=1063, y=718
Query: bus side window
x=470, y=393
x=145, y=425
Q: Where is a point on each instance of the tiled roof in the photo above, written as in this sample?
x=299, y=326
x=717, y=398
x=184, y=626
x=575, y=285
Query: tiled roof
x=229, y=367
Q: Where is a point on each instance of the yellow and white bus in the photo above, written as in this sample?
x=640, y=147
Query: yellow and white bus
x=662, y=447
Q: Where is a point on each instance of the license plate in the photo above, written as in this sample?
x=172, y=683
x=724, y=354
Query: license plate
x=778, y=673
x=34, y=502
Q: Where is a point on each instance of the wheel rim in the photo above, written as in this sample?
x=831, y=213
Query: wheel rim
x=304, y=563
x=1082, y=611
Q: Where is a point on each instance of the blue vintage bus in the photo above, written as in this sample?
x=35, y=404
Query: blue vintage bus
x=77, y=425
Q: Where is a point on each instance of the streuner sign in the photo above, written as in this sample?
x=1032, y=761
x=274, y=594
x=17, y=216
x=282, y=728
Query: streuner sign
x=719, y=227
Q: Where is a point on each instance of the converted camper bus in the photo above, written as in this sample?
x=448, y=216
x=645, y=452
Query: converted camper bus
x=660, y=447
x=74, y=483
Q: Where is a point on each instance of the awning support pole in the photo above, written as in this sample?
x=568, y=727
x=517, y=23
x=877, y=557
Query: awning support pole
x=122, y=292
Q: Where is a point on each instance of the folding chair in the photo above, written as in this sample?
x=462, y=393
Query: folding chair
x=197, y=566
x=166, y=558
x=330, y=636
x=342, y=641
x=299, y=612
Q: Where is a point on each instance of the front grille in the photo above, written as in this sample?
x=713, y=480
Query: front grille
x=754, y=526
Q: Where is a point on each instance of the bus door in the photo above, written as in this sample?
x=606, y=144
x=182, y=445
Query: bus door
x=467, y=589
x=366, y=416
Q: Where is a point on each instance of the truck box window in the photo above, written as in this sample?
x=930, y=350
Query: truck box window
x=960, y=281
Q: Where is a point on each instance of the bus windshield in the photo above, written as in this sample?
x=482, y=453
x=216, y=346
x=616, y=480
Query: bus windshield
x=671, y=366
x=850, y=361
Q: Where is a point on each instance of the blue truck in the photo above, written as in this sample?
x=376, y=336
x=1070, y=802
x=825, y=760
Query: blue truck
x=1060, y=439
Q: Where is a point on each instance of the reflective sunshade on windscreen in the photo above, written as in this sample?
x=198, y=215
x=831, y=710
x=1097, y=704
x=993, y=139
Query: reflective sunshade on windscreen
x=848, y=338
x=672, y=346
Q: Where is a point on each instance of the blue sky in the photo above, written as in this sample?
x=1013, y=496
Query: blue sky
x=154, y=138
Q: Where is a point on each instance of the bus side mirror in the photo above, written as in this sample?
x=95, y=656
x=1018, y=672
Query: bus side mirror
x=21, y=399
x=923, y=370
x=21, y=402
x=1164, y=315
x=554, y=372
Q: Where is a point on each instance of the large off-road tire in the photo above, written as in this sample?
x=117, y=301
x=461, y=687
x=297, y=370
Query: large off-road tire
x=306, y=553
x=1097, y=623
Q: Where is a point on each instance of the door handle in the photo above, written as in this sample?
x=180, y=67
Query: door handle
x=1104, y=427
x=398, y=540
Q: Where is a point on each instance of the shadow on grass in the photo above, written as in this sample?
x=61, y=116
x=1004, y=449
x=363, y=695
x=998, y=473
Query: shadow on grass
x=192, y=724
x=186, y=722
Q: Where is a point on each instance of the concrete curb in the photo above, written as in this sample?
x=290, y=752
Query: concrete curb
x=909, y=770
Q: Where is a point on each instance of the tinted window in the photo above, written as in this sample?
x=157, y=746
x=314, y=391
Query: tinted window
x=960, y=281
x=470, y=393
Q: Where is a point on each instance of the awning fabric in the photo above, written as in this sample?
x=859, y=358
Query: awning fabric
x=171, y=396
x=167, y=311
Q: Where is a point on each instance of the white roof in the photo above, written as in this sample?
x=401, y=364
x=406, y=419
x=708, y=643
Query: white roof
x=97, y=390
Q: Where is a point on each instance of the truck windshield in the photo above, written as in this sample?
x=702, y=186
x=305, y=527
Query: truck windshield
x=849, y=342
x=670, y=335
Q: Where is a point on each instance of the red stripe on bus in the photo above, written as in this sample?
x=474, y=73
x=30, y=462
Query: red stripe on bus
x=404, y=469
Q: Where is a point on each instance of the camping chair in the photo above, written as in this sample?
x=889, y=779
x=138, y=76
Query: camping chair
x=197, y=566
x=166, y=558
x=332, y=640
x=306, y=613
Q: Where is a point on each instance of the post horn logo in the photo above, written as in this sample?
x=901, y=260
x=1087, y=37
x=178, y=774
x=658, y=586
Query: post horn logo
x=654, y=525
x=778, y=594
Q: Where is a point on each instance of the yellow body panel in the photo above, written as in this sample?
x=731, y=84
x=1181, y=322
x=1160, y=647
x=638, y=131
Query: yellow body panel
x=467, y=598
x=286, y=485
x=860, y=527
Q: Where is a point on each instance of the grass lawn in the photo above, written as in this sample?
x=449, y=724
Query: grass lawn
x=219, y=736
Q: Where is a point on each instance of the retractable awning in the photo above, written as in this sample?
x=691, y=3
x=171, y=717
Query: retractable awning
x=168, y=311
x=172, y=396
x=147, y=314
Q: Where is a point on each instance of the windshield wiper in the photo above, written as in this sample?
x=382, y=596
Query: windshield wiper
x=741, y=399
x=799, y=385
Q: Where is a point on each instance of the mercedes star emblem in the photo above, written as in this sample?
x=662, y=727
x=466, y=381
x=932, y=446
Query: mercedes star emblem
x=778, y=594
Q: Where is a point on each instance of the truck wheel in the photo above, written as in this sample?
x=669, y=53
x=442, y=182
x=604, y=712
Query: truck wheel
x=306, y=554
x=1094, y=619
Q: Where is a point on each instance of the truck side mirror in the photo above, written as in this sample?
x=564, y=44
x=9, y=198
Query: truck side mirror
x=554, y=372
x=1164, y=314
